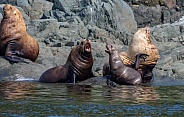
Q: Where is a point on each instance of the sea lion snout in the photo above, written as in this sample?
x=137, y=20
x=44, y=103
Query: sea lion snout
x=6, y=8
x=110, y=49
x=107, y=48
x=86, y=45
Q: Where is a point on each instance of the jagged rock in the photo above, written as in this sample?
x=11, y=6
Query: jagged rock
x=1, y=17
x=154, y=12
x=1, y=9
x=19, y=70
x=165, y=33
x=145, y=15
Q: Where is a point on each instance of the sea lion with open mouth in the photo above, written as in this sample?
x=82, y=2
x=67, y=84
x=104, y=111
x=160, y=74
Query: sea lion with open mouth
x=119, y=73
x=78, y=66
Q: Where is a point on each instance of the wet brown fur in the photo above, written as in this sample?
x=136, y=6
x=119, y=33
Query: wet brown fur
x=14, y=40
x=79, y=65
x=120, y=73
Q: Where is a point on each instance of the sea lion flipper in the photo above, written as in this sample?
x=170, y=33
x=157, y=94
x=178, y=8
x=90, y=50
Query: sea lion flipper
x=11, y=53
x=72, y=76
x=109, y=82
x=15, y=59
x=143, y=56
x=137, y=60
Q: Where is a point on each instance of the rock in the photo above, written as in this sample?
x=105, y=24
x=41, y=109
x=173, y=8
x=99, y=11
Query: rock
x=1, y=9
x=42, y=28
x=171, y=49
x=154, y=12
x=24, y=5
x=145, y=15
x=13, y=2
x=170, y=3
x=19, y=70
x=1, y=17
x=165, y=32
x=56, y=23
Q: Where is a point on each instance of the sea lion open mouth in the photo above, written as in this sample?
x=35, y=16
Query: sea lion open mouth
x=108, y=48
x=88, y=47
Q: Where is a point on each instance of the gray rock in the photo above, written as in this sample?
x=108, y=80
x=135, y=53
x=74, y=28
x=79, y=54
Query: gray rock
x=67, y=22
x=165, y=33
x=1, y=9
x=154, y=12
x=24, y=5
x=42, y=27
x=20, y=70
x=1, y=17
x=145, y=15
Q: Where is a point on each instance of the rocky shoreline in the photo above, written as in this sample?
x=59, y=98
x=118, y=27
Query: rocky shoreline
x=58, y=25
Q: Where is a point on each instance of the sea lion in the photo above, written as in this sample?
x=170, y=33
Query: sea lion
x=78, y=66
x=15, y=43
x=141, y=43
x=106, y=67
x=120, y=73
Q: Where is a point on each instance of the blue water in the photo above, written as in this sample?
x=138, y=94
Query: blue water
x=31, y=98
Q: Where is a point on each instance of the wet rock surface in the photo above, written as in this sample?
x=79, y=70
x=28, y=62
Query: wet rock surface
x=59, y=25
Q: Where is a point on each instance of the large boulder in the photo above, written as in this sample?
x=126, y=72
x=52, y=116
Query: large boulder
x=105, y=14
x=169, y=39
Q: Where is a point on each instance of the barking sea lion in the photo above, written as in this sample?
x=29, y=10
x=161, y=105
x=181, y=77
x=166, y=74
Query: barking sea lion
x=78, y=66
x=120, y=73
x=15, y=43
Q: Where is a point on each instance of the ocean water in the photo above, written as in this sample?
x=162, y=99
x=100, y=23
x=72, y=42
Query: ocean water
x=31, y=98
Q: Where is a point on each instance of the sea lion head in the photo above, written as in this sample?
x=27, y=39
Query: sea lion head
x=12, y=18
x=11, y=11
x=110, y=49
x=143, y=34
x=85, y=46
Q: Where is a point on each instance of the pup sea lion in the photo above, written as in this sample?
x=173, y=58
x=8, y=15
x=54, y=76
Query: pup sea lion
x=120, y=73
x=15, y=43
x=78, y=66
x=141, y=43
x=106, y=67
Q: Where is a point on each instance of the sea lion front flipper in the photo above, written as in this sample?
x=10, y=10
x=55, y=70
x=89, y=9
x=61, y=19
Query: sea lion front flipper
x=15, y=59
x=143, y=56
x=71, y=75
x=12, y=55
x=137, y=61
